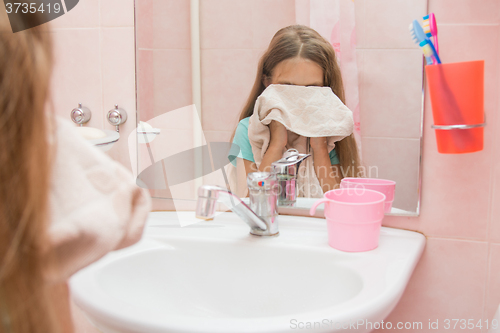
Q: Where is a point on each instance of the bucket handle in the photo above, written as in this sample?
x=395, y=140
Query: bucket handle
x=312, y=211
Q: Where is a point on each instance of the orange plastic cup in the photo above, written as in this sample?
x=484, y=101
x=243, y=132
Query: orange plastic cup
x=457, y=99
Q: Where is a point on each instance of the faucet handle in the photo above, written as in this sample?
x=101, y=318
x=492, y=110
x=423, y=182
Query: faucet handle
x=261, y=180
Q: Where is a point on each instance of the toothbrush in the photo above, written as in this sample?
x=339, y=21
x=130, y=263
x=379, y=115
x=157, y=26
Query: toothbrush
x=430, y=28
x=427, y=51
x=418, y=36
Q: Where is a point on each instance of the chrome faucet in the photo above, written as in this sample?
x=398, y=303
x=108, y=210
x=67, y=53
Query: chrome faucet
x=261, y=215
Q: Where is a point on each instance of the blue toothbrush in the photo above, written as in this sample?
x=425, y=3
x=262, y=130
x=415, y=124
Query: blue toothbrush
x=418, y=35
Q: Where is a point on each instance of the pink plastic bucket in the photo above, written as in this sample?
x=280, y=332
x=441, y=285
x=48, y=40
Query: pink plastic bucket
x=385, y=186
x=354, y=217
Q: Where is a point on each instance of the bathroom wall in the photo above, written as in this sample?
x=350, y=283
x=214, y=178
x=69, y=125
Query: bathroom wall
x=458, y=276
x=95, y=65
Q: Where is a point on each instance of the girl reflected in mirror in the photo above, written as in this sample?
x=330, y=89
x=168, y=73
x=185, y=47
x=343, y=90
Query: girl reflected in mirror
x=297, y=55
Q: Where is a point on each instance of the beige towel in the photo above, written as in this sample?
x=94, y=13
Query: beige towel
x=306, y=112
x=95, y=206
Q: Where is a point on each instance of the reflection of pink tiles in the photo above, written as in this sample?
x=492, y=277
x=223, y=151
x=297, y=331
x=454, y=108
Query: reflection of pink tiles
x=77, y=73
x=389, y=30
x=398, y=161
x=84, y=15
x=171, y=21
x=226, y=24
x=172, y=80
x=391, y=102
x=302, y=12
x=117, y=13
x=465, y=11
x=493, y=285
x=119, y=84
x=145, y=84
x=227, y=78
x=218, y=136
x=447, y=283
x=144, y=23
x=276, y=14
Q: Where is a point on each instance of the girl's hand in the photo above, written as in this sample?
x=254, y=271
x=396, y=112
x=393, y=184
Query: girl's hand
x=318, y=144
x=279, y=135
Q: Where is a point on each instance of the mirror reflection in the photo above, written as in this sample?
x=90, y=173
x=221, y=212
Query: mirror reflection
x=326, y=87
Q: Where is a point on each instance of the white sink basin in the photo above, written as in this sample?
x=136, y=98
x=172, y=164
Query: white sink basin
x=215, y=277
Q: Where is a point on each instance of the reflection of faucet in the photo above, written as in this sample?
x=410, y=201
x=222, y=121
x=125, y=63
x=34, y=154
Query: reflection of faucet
x=287, y=169
x=262, y=214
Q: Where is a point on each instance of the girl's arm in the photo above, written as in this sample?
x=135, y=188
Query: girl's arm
x=275, y=150
x=328, y=174
x=276, y=145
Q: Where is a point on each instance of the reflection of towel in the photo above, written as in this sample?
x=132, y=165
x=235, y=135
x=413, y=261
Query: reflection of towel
x=306, y=112
x=95, y=206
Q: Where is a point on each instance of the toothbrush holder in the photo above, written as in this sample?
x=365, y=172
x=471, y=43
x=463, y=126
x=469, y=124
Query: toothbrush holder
x=457, y=99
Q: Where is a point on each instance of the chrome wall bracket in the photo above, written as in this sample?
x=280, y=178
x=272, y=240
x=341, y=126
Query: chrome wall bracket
x=116, y=117
x=80, y=115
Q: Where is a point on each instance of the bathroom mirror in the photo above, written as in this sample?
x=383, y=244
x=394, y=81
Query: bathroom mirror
x=191, y=88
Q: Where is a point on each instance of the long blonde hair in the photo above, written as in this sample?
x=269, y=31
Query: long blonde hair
x=26, y=302
x=301, y=41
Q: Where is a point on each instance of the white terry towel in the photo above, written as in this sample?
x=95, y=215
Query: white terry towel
x=95, y=205
x=306, y=112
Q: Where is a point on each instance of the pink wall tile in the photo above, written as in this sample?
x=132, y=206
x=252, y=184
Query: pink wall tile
x=389, y=30
x=276, y=13
x=145, y=84
x=77, y=73
x=84, y=15
x=226, y=24
x=453, y=205
x=118, y=76
x=172, y=80
x=144, y=23
x=443, y=286
x=398, y=161
x=390, y=102
x=493, y=287
x=117, y=13
x=227, y=78
x=494, y=221
x=465, y=11
x=171, y=21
